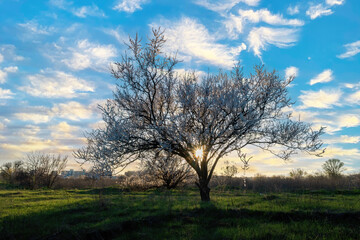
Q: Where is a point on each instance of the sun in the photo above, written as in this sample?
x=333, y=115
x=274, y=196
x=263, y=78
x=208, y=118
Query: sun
x=199, y=153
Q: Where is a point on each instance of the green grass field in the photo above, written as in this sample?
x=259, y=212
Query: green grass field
x=114, y=214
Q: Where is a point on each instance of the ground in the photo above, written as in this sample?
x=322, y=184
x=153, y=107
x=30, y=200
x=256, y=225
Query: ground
x=233, y=214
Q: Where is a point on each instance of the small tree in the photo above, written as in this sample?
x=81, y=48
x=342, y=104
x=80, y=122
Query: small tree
x=298, y=173
x=200, y=121
x=11, y=172
x=169, y=169
x=333, y=168
x=230, y=170
x=44, y=168
x=245, y=165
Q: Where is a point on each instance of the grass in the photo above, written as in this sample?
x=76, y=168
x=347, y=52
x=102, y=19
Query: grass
x=114, y=214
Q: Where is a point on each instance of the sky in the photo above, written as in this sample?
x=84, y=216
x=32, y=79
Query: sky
x=55, y=58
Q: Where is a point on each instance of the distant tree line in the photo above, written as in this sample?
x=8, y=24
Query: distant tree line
x=35, y=170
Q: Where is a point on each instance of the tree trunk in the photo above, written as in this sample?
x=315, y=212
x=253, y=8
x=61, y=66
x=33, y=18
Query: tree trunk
x=204, y=191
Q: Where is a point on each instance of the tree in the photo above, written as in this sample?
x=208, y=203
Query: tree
x=44, y=168
x=11, y=172
x=201, y=121
x=230, y=170
x=245, y=165
x=169, y=169
x=333, y=168
x=298, y=173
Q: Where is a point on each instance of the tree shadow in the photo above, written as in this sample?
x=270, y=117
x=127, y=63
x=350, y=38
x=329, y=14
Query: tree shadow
x=205, y=222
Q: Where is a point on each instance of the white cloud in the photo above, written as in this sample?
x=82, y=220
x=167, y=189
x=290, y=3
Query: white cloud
x=292, y=10
x=351, y=50
x=129, y=6
x=320, y=99
x=34, y=117
x=3, y=76
x=325, y=76
x=260, y=37
x=63, y=130
x=29, y=145
x=343, y=139
x=318, y=10
x=193, y=41
x=81, y=12
x=11, y=69
x=6, y=93
x=85, y=11
x=8, y=52
x=235, y=24
x=224, y=5
x=291, y=71
x=335, y=2
x=349, y=120
x=72, y=111
x=5, y=71
x=56, y=84
x=36, y=28
x=118, y=34
x=1, y=58
x=63, y=4
x=88, y=55
x=354, y=98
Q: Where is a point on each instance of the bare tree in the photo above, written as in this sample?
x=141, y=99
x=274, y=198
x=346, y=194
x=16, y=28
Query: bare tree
x=245, y=165
x=10, y=171
x=230, y=170
x=169, y=169
x=298, y=173
x=333, y=168
x=44, y=168
x=200, y=121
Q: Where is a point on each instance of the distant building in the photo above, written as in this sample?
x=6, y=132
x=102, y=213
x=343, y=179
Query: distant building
x=73, y=174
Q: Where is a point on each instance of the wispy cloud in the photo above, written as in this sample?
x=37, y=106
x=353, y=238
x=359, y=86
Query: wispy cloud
x=320, y=99
x=63, y=130
x=72, y=110
x=260, y=38
x=343, y=139
x=34, y=27
x=349, y=120
x=325, y=76
x=82, y=12
x=335, y=2
x=193, y=41
x=235, y=23
x=354, y=98
x=56, y=84
x=118, y=34
x=351, y=50
x=8, y=53
x=292, y=10
x=84, y=54
x=129, y=6
x=42, y=117
x=6, y=94
x=85, y=11
x=318, y=10
x=224, y=5
x=4, y=73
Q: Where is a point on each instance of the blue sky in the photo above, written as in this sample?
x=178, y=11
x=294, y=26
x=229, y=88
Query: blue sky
x=55, y=57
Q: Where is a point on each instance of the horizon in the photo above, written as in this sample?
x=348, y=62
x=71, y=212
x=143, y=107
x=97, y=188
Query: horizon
x=55, y=58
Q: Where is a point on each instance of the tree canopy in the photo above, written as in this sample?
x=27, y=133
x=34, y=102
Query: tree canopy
x=156, y=109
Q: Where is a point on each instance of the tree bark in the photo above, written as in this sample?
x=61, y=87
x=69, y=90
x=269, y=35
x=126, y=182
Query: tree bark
x=204, y=191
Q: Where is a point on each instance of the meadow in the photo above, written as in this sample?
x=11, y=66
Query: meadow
x=113, y=213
